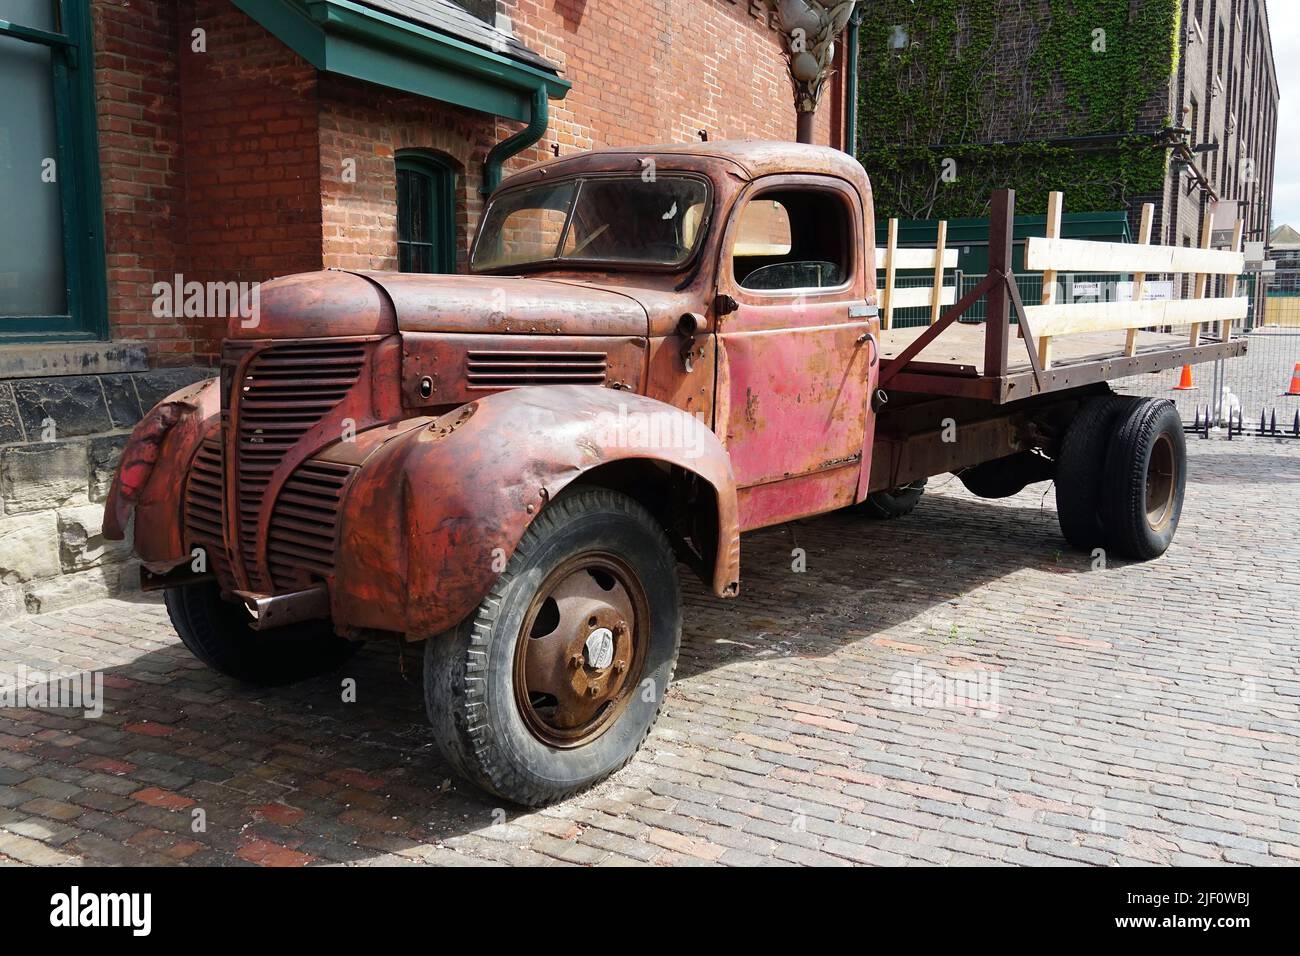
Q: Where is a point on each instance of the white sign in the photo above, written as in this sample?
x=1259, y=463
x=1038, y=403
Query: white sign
x=1151, y=291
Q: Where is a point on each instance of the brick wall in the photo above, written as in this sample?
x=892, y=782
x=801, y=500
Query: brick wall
x=362, y=128
x=250, y=142
x=138, y=100
x=646, y=73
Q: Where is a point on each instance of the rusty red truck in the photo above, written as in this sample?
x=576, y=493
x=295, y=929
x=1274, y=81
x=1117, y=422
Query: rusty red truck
x=654, y=351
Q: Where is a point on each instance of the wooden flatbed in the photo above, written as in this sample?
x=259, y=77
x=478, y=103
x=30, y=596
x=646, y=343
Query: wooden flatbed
x=952, y=364
x=1056, y=347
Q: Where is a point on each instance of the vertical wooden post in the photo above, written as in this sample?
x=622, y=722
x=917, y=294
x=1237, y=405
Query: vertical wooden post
x=1207, y=229
x=1002, y=217
x=936, y=294
x=1140, y=278
x=891, y=248
x=1225, y=327
x=1055, y=201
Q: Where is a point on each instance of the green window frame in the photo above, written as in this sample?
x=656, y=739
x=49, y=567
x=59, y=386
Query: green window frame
x=77, y=170
x=426, y=214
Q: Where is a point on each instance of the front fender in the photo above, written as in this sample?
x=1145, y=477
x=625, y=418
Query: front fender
x=150, y=476
x=432, y=517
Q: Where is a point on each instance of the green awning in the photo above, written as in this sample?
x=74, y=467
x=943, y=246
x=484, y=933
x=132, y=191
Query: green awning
x=360, y=41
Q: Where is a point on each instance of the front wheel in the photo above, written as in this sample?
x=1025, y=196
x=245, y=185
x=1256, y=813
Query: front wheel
x=554, y=682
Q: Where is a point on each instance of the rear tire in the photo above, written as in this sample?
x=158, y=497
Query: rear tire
x=895, y=503
x=218, y=633
x=1144, y=480
x=1079, y=468
x=554, y=682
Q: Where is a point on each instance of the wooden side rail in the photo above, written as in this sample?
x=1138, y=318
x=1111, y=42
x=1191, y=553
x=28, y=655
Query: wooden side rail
x=1052, y=255
x=936, y=295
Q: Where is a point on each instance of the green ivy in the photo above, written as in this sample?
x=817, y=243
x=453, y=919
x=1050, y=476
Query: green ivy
x=952, y=78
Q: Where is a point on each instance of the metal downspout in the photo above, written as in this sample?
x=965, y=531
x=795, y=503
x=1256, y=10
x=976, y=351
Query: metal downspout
x=516, y=143
x=851, y=84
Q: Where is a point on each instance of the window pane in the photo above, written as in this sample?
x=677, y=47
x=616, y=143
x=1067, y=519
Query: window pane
x=523, y=226
x=419, y=200
x=628, y=220
x=763, y=230
x=403, y=206
x=30, y=13
x=31, y=232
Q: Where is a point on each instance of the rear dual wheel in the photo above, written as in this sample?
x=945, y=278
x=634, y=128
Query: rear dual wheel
x=1121, y=476
x=554, y=682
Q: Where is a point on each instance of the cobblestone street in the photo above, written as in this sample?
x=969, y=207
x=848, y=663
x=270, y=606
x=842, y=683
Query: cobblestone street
x=1136, y=714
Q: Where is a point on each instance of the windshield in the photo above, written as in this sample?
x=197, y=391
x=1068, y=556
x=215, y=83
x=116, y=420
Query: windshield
x=623, y=220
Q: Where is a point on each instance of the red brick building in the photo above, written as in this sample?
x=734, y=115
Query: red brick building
x=146, y=144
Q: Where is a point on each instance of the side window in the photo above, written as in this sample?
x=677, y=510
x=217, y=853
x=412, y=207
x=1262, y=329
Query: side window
x=52, y=282
x=792, y=239
x=426, y=215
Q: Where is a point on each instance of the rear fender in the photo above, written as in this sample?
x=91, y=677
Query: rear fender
x=150, y=478
x=431, y=519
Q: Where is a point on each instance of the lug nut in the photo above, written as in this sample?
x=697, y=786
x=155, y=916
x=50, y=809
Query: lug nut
x=620, y=666
x=575, y=661
x=593, y=690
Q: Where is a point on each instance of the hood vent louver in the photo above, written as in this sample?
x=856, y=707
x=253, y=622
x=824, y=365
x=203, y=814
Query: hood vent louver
x=508, y=368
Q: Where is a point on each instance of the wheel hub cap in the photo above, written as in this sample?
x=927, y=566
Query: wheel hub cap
x=600, y=648
x=580, y=652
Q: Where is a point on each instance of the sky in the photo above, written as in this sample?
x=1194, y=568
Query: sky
x=1285, y=26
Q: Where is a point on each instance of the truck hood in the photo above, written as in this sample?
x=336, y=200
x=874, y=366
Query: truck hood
x=509, y=304
x=334, y=302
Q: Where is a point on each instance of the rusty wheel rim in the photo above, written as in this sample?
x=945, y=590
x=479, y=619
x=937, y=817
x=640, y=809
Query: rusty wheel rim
x=1162, y=480
x=581, y=649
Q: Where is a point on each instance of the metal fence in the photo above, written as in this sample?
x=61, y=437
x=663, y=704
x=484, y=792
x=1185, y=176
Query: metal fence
x=1250, y=387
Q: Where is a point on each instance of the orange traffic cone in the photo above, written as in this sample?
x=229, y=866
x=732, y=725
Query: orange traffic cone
x=1295, y=381
x=1185, y=382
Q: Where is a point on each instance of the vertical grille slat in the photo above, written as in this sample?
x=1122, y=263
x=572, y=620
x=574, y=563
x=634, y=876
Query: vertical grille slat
x=284, y=392
x=304, y=524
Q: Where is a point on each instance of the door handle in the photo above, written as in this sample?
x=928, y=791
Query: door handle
x=870, y=337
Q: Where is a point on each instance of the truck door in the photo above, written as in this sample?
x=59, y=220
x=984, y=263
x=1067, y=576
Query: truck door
x=798, y=355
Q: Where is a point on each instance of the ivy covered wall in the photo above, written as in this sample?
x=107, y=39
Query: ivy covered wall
x=960, y=97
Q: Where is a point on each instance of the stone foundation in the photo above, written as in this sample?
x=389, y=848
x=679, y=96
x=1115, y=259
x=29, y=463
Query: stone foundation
x=60, y=440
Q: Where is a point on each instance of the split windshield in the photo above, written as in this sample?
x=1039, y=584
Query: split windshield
x=621, y=220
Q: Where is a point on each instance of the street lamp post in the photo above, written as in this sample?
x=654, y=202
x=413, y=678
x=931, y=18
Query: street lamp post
x=809, y=29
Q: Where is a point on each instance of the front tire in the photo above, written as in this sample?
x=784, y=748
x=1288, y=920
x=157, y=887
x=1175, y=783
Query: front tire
x=218, y=633
x=555, y=680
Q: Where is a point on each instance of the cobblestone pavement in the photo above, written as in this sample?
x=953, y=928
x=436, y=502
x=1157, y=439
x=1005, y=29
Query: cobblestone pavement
x=1136, y=714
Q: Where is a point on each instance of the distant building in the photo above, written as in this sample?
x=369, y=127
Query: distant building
x=1172, y=102
x=1284, y=249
